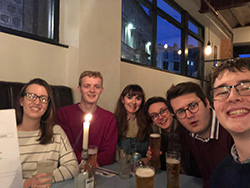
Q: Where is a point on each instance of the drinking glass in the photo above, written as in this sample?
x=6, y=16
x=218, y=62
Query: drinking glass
x=155, y=145
x=145, y=177
x=173, y=162
x=46, y=167
x=92, y=155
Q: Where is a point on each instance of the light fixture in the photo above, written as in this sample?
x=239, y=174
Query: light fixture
x=208, y=49
x=166, y=46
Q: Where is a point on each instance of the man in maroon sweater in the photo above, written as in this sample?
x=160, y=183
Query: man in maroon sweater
x=203, y=137
x=103, y=130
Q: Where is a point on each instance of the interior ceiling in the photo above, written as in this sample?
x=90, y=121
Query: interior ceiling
x=235, y=12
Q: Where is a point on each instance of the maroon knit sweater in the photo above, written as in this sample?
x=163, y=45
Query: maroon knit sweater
x=102, y=132
x=207, y=154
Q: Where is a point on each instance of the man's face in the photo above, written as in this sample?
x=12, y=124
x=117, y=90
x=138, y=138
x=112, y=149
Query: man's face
x=160, y=115
x=198, y=122
x=234, y=111
x=90, y=89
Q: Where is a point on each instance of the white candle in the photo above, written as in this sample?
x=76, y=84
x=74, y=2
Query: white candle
x=86, y=131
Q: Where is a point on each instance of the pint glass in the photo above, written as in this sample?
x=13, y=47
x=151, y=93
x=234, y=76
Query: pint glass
x=46, y=167
x=92, y=155
x=173, y=160
x=155, y=145
x=145, y=177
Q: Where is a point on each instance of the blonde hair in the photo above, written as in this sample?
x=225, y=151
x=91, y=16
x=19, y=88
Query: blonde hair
x=94, y=74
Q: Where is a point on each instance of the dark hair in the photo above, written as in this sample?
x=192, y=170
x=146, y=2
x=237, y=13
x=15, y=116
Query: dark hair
x=48, y=119
x=182, y=89
x=151, y=101
x=232, y=65
x=121, y=113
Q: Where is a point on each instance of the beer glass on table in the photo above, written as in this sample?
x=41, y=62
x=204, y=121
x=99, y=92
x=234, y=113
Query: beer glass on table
x=46, y=167
x=173, y=162
x=145, y=177
x=92, y=155
x=155, y=145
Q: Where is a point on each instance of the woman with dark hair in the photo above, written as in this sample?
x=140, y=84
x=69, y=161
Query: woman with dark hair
x=39, y=138
x=133, y=129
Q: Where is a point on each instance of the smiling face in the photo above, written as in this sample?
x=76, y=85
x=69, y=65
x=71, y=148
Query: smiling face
x=34, y=109
x=198, y=122
x=163, y=118
x=90, y=89
x=132, y=103
x=234, y=111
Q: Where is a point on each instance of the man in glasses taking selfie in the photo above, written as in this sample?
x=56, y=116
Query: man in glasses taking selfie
x=231, y=96
x=203, y=138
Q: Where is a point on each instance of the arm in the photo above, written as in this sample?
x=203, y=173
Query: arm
x=106, y=154
x=68, y=162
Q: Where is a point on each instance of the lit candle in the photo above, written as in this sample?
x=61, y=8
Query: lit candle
x=86, y=131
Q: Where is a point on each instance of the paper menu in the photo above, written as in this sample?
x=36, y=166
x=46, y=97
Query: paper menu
x=10, y=165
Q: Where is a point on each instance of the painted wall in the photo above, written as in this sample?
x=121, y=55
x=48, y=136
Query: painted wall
x=92, y=29
x=241, y=35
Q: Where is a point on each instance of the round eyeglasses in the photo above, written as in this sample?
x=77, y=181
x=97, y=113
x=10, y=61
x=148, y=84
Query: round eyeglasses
x=155, y=116
x=192, y=108
x=223, y=92
x=32, y=97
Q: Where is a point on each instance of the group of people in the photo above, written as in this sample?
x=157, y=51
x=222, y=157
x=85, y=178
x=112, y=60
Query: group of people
x=213, y=142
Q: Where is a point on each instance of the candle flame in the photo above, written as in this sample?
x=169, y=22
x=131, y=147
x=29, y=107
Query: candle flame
x=88, y=117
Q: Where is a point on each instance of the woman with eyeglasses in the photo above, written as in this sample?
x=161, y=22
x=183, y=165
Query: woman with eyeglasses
x=39, y=138
x=133, y=129
x=157, y=113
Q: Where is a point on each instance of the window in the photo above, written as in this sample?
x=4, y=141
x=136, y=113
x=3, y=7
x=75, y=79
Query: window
x=155, y=33
x=194, y=51
x=30, y=18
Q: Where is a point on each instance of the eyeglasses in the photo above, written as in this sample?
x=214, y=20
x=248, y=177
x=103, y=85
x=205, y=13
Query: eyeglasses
x=32, y=97
x=155, y=116
x=222, y=92
x=192, y=107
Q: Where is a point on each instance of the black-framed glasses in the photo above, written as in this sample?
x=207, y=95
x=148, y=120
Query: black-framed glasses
x=155, y=116
x=32, y=97
x=192, y=107
x=223, y=92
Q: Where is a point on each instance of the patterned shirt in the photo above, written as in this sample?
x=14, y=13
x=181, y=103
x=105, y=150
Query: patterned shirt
x=59, y=151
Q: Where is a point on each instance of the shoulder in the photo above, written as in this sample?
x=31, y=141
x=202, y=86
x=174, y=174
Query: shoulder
x=101, y=111
x=57, y=130
x=68, y=108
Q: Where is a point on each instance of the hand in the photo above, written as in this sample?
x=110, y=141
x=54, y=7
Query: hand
x=38, y=181
x=149, y=153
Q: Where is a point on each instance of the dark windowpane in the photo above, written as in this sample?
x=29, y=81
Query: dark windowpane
x=30, y=16
x=193, y=28
x=168, y=44
x=169, y=10
x=136, y=32
x=194, y=51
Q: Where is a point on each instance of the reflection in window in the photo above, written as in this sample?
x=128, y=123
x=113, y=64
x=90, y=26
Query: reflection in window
x=169, y=10
x=194, y=51
x=32, y=17
x=168, y=45
x=136, y=32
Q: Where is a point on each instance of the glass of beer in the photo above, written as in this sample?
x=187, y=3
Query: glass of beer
x=145, y=177
x=155, y=145
x=46, y=167
x=92, y=155
x=173, y=161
